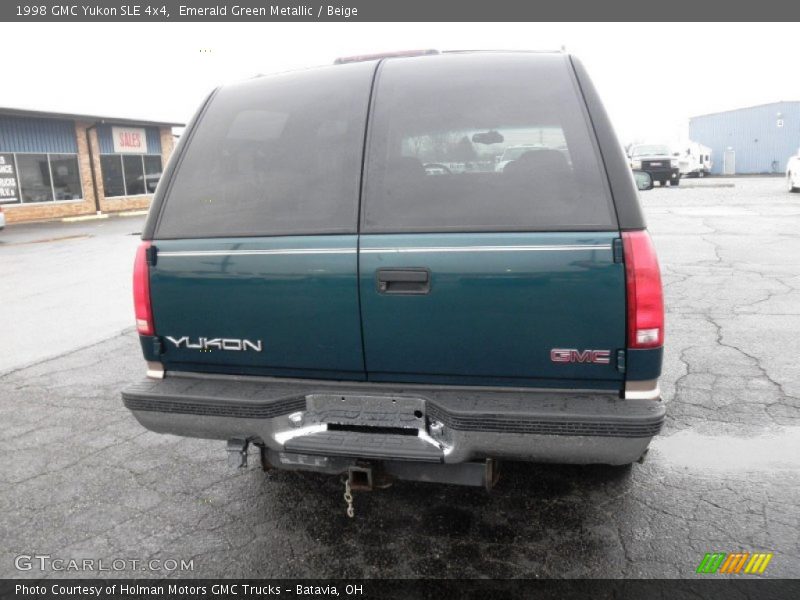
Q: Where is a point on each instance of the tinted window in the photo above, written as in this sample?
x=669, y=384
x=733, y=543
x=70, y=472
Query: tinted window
x=41, y=178
x=66, y=178
x=152, y=172
x=134, y=174
x=482, y=143
x=274, y=156
x=34, y=178
x=113, y=182
x=130, y=174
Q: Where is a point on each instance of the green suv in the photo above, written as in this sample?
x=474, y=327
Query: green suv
x=335, y=270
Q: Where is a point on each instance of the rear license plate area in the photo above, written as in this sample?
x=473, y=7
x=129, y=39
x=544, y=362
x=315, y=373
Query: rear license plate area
x=364, y=412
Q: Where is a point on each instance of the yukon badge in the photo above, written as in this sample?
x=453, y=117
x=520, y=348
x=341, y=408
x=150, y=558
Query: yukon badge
x=570, y=355
x=210, y=344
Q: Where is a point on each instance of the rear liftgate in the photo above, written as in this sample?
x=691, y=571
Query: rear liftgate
x=373, y=439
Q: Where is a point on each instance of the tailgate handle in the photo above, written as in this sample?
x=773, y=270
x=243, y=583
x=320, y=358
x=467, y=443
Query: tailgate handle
x=403, y=281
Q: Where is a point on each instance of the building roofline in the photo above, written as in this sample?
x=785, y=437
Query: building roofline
x=43, y=114
x=722, y=112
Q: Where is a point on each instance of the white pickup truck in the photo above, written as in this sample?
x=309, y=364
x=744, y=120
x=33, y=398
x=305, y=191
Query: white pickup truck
x=657, y=160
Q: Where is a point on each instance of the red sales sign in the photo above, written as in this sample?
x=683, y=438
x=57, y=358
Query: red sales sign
x=129, y=140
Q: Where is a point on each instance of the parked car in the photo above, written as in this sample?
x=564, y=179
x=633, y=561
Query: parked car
x=347, y=310
x=793, y=173
x=658, y=160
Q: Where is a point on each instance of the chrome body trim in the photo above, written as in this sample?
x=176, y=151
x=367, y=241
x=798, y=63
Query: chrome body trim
x=267, y=252
x=392, y=250
x=425, y=249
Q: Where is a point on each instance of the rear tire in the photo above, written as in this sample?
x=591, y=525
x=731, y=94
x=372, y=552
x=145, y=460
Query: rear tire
x=676, y=181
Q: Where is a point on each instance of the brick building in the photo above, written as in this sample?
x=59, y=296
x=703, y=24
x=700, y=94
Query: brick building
x=61, y=165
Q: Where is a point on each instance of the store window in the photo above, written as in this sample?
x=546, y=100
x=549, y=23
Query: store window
x=34, y=178
x=65, y=177
x=130, y=174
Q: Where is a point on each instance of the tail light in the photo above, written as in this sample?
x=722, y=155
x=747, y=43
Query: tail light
x=644, y=292
x=141, y=291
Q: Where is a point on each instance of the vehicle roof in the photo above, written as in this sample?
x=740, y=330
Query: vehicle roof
x=422, y=55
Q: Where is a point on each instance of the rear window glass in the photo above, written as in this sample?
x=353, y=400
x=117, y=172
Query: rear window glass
x=482, y=143
x=276, y=155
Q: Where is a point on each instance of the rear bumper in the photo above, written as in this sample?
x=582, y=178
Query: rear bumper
x=434, y=424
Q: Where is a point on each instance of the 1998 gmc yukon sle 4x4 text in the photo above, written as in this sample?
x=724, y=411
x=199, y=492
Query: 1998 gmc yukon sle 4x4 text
x=307, y=285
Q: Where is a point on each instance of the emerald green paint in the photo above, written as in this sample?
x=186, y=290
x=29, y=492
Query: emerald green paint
x=296, y=295
x=498, y=304
x=644, y=364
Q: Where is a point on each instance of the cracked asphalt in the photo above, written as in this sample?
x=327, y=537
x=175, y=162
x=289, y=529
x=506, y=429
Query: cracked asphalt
x=81, y=479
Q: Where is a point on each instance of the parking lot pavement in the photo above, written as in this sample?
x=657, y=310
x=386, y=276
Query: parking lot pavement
x=81, y=479
x=64, y=285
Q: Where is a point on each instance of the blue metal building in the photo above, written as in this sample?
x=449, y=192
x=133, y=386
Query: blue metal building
x=756, y=139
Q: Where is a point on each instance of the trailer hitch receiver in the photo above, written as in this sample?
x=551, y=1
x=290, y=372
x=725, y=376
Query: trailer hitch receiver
x=360, y=478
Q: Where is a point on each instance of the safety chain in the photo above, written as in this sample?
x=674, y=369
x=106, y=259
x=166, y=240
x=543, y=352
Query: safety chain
x=348, y=497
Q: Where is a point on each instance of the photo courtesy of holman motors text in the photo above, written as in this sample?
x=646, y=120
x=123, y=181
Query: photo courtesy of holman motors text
x=178, y=589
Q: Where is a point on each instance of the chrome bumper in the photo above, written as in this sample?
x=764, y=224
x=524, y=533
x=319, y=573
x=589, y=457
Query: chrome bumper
x=433, y=424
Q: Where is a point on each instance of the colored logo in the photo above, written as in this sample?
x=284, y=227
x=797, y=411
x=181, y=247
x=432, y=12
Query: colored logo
x=740, y=562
